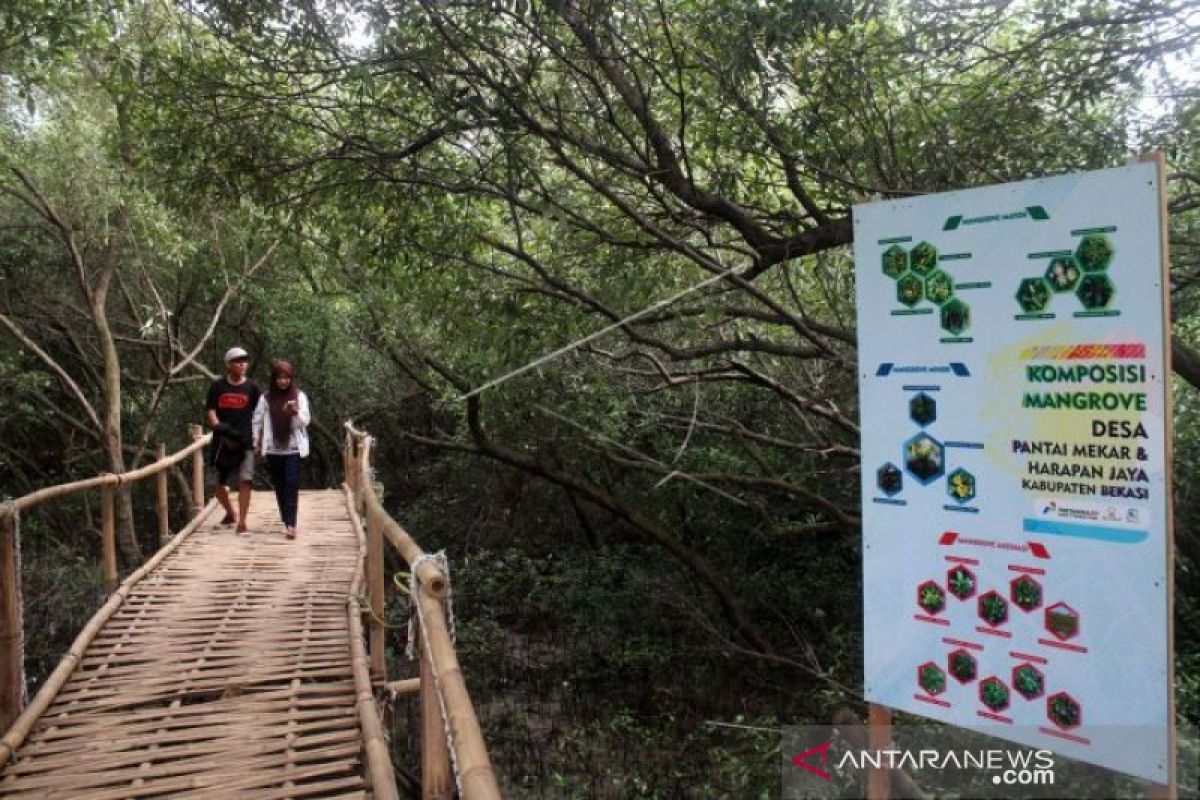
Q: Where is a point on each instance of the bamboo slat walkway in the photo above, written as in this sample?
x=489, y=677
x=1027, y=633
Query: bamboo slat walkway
x=226, y=673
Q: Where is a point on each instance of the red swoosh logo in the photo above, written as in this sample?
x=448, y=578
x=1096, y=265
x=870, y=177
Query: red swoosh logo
x=821, y=750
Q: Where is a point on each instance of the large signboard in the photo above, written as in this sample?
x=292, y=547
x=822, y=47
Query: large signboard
x=1015, y=492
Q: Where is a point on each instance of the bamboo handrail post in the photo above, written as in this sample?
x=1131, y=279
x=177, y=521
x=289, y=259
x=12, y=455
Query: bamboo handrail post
x=376, y=596
x=435, y=750
x=476, y=776
x=365, y=485
x=197, y=473
x=108, y=536
x=161, y=498
x=12, y=644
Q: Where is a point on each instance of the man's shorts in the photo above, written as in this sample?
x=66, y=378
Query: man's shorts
x=242, y=473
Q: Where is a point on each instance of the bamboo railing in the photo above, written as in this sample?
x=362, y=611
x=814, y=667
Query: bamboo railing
x=14, y=719
x=450, y=730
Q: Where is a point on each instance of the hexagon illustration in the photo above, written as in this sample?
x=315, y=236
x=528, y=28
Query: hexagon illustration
x=1062, y=274
x=1095, y=291
x=962, y=665
x=924, y=458
x=931, y=597
x=960, y=485
x=1029, y=681
x=1062, y=621
x=895, y=262
x=922, y=409
x=1094, y=253
x=910, y=290
x=1026, y=593
x=939, y=287
x=1033, y=294
x=993, y=609
x=956, y=316
x=889, y=479
x=923, y=258
x=993, y=693
x=961, y=582
x=1064, y=710
x=931, y=678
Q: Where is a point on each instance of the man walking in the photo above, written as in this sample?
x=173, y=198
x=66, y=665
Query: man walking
x=229, y=411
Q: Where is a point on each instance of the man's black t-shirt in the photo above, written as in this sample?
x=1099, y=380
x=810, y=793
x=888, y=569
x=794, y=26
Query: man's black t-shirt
x=234, y=404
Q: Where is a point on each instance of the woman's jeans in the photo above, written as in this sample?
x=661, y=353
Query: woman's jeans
x=285, y=475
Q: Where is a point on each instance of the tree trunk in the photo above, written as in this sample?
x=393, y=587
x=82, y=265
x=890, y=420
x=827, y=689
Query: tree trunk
x=127, y=543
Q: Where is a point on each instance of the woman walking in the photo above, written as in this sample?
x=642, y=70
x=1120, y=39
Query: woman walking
x=281, y=434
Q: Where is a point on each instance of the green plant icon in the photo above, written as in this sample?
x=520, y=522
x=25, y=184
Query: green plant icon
x=963, y=666
x=922, y=409
x=910, y=290
x=1063, y=710
x=1026, y=593
x=931, y=597
x=1028, y=681
x=1095, y=291
x=895, y=262
x=1033, y=294
x=956, y=316
x=960, y=485
x=993, y=609
x=924, y=258
x=1062, y=274
x=931, y=678
x=939, y=287
x=961, y=582
x=994, y=694
x=1095, y=252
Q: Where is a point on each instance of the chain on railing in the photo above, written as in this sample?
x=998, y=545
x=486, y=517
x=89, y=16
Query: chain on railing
x=451, y=739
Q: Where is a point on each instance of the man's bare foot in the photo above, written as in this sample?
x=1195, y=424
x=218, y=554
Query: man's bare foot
x=289, y=533
x=242, y=530
x=229, y=519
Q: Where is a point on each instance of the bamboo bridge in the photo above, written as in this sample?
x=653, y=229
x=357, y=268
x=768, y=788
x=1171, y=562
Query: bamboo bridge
x=230, y=666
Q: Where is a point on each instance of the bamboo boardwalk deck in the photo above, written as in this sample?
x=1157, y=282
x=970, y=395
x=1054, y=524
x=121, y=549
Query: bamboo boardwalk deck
x=226, y=673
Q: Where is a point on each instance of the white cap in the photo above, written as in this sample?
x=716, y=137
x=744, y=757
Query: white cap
x=235, y=353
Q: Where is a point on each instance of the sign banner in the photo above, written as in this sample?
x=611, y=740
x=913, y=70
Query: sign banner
x=1015, y=493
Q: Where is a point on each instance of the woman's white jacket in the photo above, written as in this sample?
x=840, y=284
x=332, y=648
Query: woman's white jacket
x=264, y=436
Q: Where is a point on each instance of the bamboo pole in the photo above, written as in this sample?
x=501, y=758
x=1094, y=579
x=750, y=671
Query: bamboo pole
x=1170, y=790
x=379, y=763
x=405, y=686
x=34, y=499
x=435, y=750
x=108, y=536
x=12, y=645
x=376, y=596
x=197, y=471
x=477, y=779
x=428, y=573
x=161, y=498
x=365, y=485
x=41, y=701
x=879, y=736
